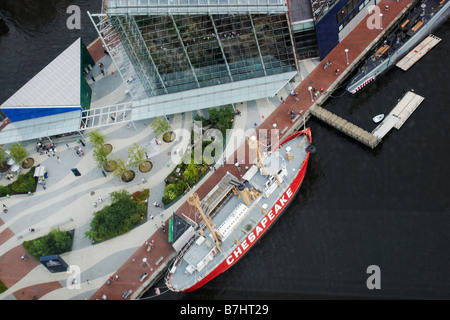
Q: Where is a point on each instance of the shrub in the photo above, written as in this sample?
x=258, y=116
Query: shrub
x=3, y=288
x=4, y=190
x=170, y=194
x=25, y=182
x=121, y=216
x=55, y=242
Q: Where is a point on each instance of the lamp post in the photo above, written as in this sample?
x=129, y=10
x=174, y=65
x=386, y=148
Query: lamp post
x=144, y=260
x=346, y=54
x=381, y=21
x=310, y=88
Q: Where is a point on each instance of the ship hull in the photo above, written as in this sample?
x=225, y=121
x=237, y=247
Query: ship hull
x=375, y=73
x=261, y=228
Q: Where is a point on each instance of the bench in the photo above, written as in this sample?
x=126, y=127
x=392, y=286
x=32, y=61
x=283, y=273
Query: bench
x=405, y=23
x=440, y=3
x=295, y=119
x=417, y=26
x=382, y=50
x=284, y=130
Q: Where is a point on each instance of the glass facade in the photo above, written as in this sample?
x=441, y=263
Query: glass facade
x=175, y=53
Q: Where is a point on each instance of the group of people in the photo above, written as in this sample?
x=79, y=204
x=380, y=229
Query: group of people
x=47, y=148
x=102, y=69
x=79, y=151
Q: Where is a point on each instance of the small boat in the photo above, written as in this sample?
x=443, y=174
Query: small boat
x=378, y=118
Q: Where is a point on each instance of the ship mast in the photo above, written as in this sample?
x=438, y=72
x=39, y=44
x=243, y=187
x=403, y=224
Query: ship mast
x=253, y=143
x=194, y=201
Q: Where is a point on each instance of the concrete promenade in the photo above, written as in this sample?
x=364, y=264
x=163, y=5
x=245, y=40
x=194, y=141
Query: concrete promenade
x=68, y=200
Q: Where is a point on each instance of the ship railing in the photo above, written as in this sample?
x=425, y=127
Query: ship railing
x=198, y=275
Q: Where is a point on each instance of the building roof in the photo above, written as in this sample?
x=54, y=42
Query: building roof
x=145, y=7
x=300, y=10
x=50, y=103
x=58, y=84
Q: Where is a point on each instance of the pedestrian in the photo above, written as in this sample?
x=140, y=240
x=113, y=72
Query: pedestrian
x=104, y=297
x=100, y=200
x=117, y=277
x=386, y=7
x=92, y=77
x=67, y=145
x=103, y=72
x=336, y=72
x=59, y=159
x=95, y=204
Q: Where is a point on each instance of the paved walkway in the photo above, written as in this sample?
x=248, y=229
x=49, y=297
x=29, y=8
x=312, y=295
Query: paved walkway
x=68, y=200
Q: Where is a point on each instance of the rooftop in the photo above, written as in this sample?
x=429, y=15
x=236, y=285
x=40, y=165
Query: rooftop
x=148, y=7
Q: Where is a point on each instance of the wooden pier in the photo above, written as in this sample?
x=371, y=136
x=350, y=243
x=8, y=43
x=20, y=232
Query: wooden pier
x=396, y=118
x=345, y=126
x=418, y=52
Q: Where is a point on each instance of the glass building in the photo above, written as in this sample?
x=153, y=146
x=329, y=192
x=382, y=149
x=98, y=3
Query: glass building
x=204, y=53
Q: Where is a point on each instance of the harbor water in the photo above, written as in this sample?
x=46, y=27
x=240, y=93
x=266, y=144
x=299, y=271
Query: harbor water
x=387, y=207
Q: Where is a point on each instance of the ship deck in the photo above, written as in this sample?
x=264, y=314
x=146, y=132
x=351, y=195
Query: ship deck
x=197, y=249
x=413, y=22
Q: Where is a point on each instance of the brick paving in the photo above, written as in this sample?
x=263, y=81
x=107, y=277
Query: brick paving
x=12, y=268
x=129, y=273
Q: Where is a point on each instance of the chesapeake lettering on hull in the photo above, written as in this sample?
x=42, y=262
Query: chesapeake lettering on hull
x=261, y=227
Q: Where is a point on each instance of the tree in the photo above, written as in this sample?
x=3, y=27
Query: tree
x=3, y=157
x=97, y=139
x=121, y=168
x=101, y=156
x=136, y=155
x=191, y=174
x=160, y=126
x=17, y=152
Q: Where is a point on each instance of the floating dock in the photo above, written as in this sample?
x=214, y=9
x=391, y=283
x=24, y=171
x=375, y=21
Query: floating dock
x=418, y=52
x=396, y=118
